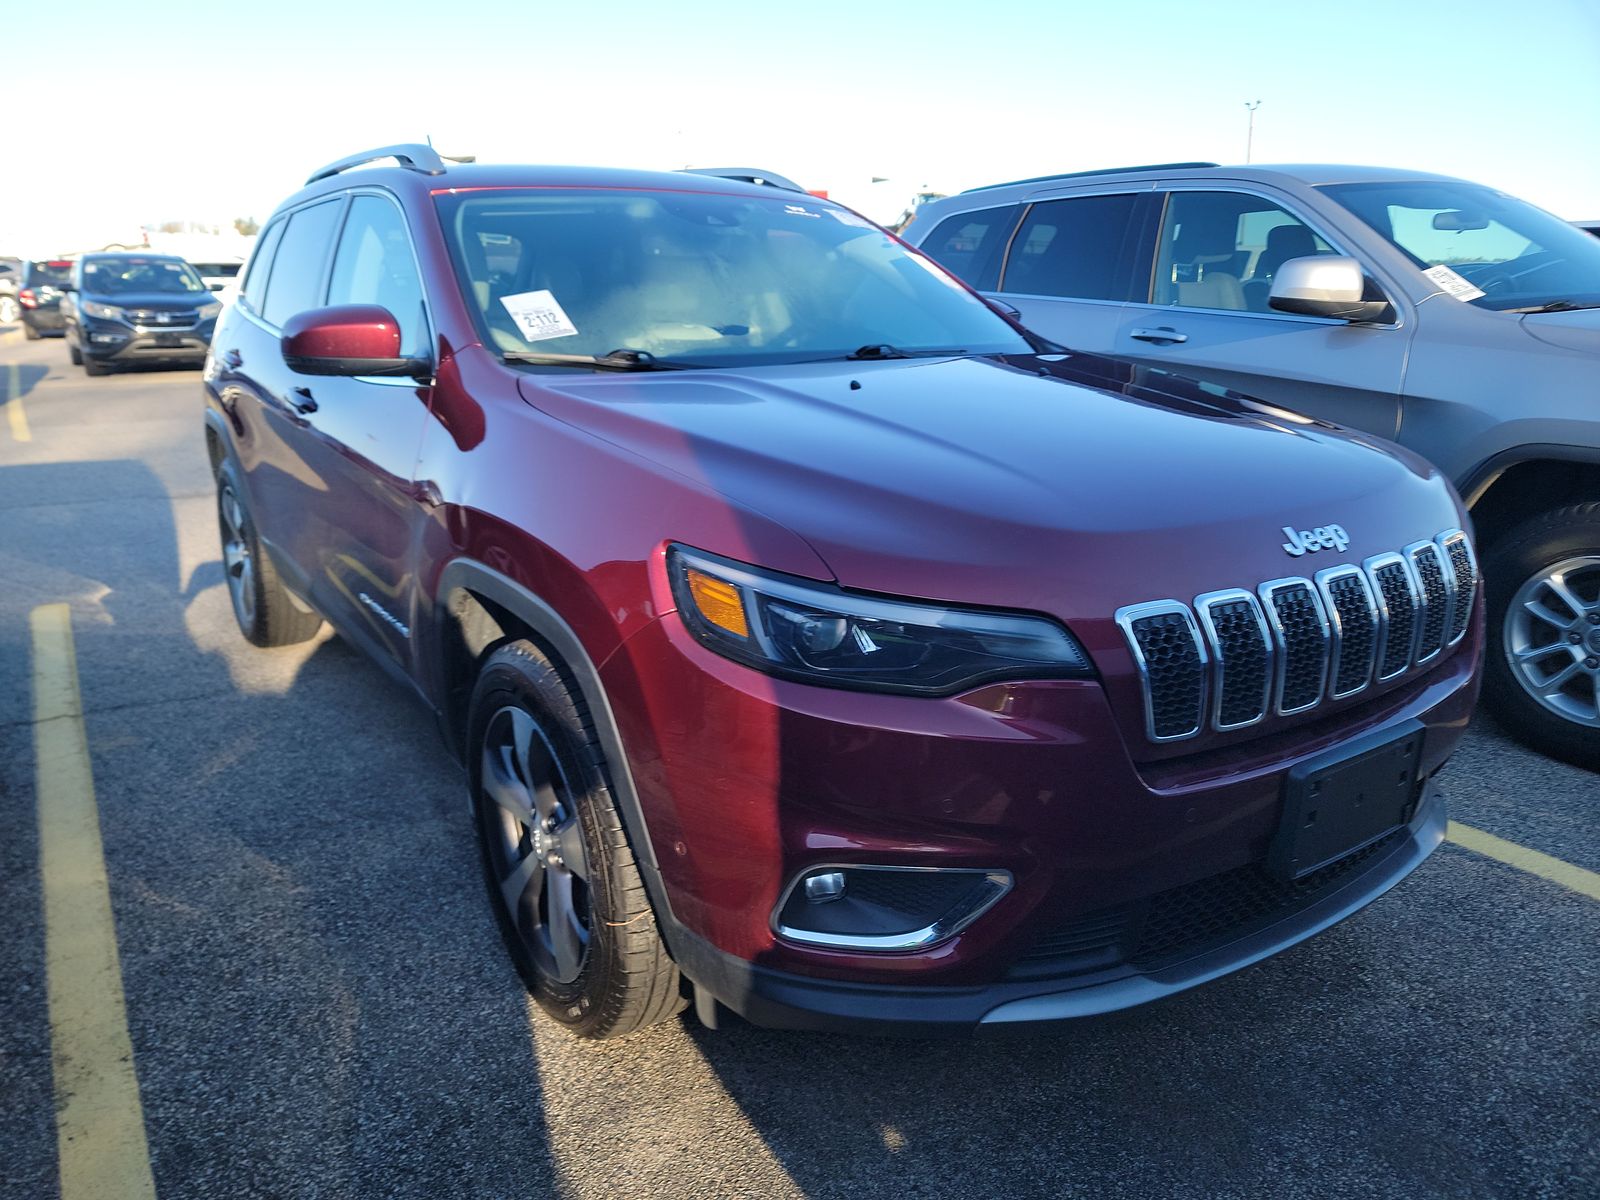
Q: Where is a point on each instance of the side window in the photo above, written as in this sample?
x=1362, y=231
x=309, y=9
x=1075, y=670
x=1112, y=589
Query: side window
x=374, y=265
x=1220, y=250
x=969, y=244
x=297, y=267
x=1072, y=248
x=255, y=283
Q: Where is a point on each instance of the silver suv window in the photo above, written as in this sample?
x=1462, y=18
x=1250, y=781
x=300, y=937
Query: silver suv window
x=1220, y=250
x=1072, y=247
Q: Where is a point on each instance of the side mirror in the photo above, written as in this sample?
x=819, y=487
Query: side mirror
x=1326, y=286
x=348, y=339
x=1009, y=311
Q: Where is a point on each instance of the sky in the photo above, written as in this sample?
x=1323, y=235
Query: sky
x=145, y=114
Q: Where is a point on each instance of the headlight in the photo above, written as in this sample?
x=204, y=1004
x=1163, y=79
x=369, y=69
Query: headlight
x=809, y=631
x=209, y=309
x=106, y=312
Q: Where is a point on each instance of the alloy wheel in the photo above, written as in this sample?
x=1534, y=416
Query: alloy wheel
x=237, y=562
x=535, y=842
x=1552, y=639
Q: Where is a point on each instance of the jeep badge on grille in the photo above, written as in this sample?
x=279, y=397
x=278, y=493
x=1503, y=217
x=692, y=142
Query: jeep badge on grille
x=1309, y=541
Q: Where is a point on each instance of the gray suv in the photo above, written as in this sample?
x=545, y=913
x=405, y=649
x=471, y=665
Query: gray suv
x=1455, y=319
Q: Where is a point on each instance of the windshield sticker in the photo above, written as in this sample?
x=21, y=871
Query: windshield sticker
x=539, y=316
x=799, y=210
x=1453, y=284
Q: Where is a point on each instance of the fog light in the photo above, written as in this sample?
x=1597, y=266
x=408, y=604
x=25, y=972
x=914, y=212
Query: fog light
x=106, y=337
x=825, y=887
x=856, y=907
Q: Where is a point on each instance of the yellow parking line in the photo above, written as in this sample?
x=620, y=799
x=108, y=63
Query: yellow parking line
x=100, y=1139
x=1576, y=878
x=14, y=413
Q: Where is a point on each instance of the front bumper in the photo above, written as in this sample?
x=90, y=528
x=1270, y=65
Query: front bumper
x=744, y=781
x=780, y=1000
x=121, y=342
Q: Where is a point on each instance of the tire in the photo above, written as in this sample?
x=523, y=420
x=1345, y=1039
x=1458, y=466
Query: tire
x=579, y=928
x=10, y=310
x=94, y=368
x=1539, y=682
x=74, y=353
x=29, y=332
x=266, y=614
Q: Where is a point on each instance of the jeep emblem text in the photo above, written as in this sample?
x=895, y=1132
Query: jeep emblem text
x=1309, y=541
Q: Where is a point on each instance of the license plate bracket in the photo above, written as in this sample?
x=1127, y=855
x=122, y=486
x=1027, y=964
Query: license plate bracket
x=1336, y=804
x=167, y=340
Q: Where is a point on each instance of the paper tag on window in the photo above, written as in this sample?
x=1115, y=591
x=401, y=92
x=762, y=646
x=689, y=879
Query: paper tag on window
x=538, y=316
x=1453, y=284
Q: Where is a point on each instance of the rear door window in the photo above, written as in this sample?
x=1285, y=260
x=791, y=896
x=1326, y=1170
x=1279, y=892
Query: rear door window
x=1072, y=248
x=374, y=265
x=301, y=259
x=969, y=245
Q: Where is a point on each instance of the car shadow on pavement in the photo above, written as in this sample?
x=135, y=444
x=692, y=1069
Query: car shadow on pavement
x=18, y=379
x=317, y=997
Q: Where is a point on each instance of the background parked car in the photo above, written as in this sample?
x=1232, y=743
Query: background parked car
x=1589, y=227
x=126, y=308
x=43, y=286
x=1450, y=317
x=10, y=282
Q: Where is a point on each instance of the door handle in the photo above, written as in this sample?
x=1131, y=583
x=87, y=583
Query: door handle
x=232, y=359
x=304, y=403
x=1161, y=334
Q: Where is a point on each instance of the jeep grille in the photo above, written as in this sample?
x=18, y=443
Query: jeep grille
x=1234, y=657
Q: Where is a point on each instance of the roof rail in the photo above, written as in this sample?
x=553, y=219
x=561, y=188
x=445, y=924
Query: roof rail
x=414, y=156
x=1177, y=166
x=747, y=175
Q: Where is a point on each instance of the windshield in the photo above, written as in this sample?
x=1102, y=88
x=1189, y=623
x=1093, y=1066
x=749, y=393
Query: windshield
x=1512, y=254
x=716, y=280
x=50, y=272
x=121, y=276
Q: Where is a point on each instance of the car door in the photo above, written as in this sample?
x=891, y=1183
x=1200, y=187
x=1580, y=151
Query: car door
x=360, y=436
x=1202, y=310
x=1066, y=268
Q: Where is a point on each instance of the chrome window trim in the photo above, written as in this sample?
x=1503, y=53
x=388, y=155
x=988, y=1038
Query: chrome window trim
x=1448, y=575
x=1275, y=624
x=1445, y=541
x=1203, y=604
x=1000, y=882
x=1125, y=617
x=1324, y=580
x=1372, y=566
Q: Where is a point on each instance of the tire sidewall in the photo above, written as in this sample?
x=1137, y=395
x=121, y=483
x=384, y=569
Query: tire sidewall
x=228, y=480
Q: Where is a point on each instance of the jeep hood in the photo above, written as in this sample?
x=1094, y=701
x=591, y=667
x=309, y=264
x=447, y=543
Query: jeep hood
x=1579, y=330
x=1070, y=485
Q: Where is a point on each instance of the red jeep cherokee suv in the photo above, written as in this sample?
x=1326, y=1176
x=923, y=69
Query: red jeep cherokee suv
x=818, y=644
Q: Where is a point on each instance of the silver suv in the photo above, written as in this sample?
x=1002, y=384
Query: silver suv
x=1455, y=319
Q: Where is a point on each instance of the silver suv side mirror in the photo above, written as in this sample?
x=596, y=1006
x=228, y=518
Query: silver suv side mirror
x=1325, y=286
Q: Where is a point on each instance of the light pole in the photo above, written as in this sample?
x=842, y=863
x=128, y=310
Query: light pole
x=1250, y=129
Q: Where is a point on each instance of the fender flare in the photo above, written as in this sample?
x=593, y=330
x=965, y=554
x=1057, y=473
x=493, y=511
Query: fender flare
x=469, y=575
x=1477, y=482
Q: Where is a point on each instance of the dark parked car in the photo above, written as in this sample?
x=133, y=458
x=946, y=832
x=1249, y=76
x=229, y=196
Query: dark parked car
x=43, y=286
x=817, y=643
x=131, y=308
x=1456, y=319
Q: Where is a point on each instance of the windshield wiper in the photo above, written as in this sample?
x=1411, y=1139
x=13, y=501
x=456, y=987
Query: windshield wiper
x=613, y=360
x=877, y=350
x=1551, y=306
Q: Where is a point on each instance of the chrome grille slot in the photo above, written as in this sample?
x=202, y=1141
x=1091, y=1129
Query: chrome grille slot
x=1437, y=590
x=1464, y=570
x=1300, y=635
x=1232, y=657
x=1241, y=653
x=1353, y=614
x=1172, y=660
x=1396, y=593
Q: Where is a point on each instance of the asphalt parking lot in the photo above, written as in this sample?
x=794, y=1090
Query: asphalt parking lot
x=318, y=1004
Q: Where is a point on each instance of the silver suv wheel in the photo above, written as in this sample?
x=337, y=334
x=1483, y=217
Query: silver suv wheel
x=1552, y=639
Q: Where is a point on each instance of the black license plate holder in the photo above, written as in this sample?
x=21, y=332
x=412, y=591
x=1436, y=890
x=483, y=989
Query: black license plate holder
x=167, y=340
x=1339, y=803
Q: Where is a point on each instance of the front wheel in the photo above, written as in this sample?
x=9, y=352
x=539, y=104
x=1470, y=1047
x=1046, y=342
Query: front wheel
x=562, y=878
x=93, y=367
x=1542, y=674
x=73, y=352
